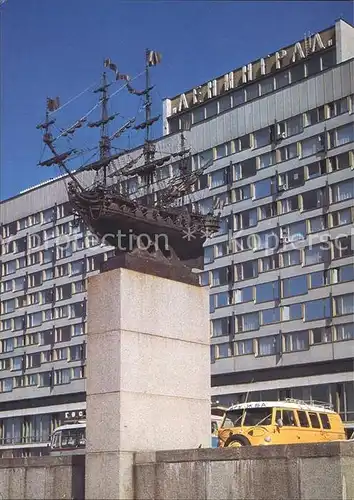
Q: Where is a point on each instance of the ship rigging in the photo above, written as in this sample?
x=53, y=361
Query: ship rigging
x=107, y=206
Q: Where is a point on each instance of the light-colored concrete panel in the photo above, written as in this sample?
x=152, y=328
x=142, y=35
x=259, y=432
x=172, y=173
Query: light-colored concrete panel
x=165, y=364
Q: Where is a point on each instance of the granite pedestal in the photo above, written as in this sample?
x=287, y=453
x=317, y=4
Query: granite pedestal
x=148, y=372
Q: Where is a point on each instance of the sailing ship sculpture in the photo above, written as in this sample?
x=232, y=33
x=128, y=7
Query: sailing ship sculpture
x=109, y=210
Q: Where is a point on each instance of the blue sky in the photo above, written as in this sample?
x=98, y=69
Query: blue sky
x=52, y=48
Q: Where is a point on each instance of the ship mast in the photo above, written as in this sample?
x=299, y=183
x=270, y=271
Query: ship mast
x=149, y=148
x=58, y=159
x=105, y=144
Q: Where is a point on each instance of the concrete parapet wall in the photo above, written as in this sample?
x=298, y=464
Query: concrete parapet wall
x=305, y=472
x=42, y=478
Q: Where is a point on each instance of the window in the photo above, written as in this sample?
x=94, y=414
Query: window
x=267, y=159
x=62, y=377
x=77, y=372
x=33, y=360
x=303, y=419
x=61, y=312
x=296, y=341
x=242, y=193
x=317, y=224
x=8, y=345
x=263, y=188
x=78, y=310
x=270, y=262
x=268, y=211
x=314, y=420
x=78, y=329
x=63, y=334
x=270, y=316
x=224, y=103
x=9, y=267
x=316, y=169
x=217, y=178
x=288, y=152
x=313, y=65
x=292, y=312
x=6, y=385
x=291, y=258
x=343, y=191
x=313, y=145
x=8, y=306
x=321, y=335
x=238, y=98
x=314, y=255
x=220, y=327
x=35, y=319
x=244, y=347
x=344, y=304
x=247, y=270
x=267, y=346
x=221, y=249
x=317, y=309
x=243, y=295
x=245, y=169
x=318, y=279
x=267, y=291
x=294, y=125
x=266, y=86
x=297, y=73
x=289, y=204
x=296, y=231
x=295, y=286
x=341, y=161
x=346, y=273
x=342, y=247
x=313, y=199
x=261, y=137
x=246, y=219
x=325, y=421
x=345, y=332
x=282, y=79
x=220, y=276
x=248, y=322
x=344, y=134
x=252, y=92
x=75, y=352
x=289, y=418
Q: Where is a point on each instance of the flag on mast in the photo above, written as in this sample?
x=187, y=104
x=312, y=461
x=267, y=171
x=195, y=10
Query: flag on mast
x=53, y=104
x=119, y=76
x=153, y=58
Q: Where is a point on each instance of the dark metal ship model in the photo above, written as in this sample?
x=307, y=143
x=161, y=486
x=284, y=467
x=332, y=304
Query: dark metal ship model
x=134, y=221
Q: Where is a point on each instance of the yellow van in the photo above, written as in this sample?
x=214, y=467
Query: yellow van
x=279, y=422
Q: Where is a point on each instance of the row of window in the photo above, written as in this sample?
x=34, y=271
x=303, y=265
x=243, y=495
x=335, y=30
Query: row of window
x=283, y=343
x=36, y=319
x=46, y=337
x=288, y=180
x=291, y=234
x=78, y=267
x=273, y=135
x=60, y=243
x=48, y=296
x=45, y=379
x=275, y=186
x=289, y=287
x=35, y=360
x=315, y=254
x=52, y=214
x=311, y=310
x=251, y=91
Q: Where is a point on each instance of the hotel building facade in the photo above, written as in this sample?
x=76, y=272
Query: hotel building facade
x=279, y=136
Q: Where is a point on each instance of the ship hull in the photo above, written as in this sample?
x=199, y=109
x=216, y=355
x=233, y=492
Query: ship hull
x=125, y=225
